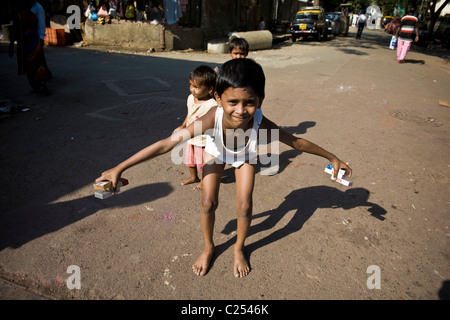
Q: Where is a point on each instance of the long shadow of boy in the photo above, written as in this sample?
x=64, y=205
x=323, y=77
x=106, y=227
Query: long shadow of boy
x=305, y=201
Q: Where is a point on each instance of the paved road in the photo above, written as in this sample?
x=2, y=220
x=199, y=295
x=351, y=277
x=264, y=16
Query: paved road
x=351, y=96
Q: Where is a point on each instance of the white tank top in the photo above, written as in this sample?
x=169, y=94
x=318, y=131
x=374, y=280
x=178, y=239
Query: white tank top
x=237, y=156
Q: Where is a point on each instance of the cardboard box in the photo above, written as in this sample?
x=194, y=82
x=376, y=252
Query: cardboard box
x=104, y=188
x=103, y=185
x=107, y=185
x=102, y=194
x=340, y=177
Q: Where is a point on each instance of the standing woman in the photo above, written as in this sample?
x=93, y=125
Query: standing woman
x=30, y=51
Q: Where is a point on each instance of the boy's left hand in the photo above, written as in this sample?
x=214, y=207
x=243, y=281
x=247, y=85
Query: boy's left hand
x=338, y=164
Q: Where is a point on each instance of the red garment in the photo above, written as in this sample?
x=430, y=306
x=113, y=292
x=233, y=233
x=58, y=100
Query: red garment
x=30, y=51
x=102, y=12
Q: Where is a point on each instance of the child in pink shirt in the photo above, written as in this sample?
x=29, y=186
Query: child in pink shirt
x=202, y=83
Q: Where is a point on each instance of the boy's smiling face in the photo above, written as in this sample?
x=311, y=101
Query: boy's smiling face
x=239, y=107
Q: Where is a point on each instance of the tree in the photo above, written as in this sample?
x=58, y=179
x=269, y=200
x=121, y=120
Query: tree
x=387, y=6
x=358, y=5
x=434, y=14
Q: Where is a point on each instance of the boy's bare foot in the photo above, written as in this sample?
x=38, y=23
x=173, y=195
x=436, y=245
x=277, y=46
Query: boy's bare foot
x=199, y=186
x=190, y=180
x=201, y=266
x=241, y=266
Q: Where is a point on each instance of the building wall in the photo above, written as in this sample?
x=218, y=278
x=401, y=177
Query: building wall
x=222, y=17
x=446, y=10
x=143, y=36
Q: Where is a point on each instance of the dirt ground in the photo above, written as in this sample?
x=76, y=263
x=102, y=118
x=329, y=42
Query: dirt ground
x=386, y=237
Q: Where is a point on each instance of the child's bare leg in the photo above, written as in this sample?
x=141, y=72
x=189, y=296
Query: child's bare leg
x=212, y=174
x=245, y=176
x=199, y=186
x=241, y=267
x=201, y=265
x=193, y=176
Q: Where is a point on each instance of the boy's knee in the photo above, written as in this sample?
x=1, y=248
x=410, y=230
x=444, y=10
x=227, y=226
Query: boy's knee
x=209, y=205
x=244, y=208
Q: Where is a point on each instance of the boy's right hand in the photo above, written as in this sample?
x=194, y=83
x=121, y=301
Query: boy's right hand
x=112, y=175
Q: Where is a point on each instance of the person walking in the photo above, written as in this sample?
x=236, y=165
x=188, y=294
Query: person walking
x=30, y=52
x=361, y=22
x=405, y=35
x=39, y=11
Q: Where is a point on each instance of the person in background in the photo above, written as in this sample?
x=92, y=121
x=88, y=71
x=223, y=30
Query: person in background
x=238, y=48
x=39, y=11
x=30, y=53
x=405, y=35
x=361, y=22
x=354, y=18
x=262, y=24
x=103, y=13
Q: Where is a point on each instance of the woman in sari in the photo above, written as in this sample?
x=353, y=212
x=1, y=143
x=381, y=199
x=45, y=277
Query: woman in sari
x=30, y=51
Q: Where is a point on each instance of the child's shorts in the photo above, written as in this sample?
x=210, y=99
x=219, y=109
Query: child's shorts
x=194, y=156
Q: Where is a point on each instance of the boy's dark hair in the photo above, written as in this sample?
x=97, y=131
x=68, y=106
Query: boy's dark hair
x=204, y=75
x=239, y=43
x=241, y=73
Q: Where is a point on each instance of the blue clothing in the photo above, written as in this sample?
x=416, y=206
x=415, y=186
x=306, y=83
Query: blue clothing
x=173, y=11
x=38, y=10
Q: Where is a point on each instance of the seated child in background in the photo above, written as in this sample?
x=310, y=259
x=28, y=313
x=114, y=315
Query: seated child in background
x=238, y=48
x=202, y=83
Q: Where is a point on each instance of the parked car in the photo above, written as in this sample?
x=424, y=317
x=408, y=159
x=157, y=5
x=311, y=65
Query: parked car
x=333, y=22
x=309, y=22
x=386, y=20
x=392, y=25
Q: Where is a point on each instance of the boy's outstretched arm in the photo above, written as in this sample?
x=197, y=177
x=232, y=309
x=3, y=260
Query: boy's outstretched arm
x=158, y=148
x=304, y=145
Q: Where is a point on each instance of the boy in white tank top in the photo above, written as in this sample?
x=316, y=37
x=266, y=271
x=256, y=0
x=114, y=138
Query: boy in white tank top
x=239, y=95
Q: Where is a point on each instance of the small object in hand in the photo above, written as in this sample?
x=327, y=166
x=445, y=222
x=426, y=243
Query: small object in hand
x=340, y=177
x=104, y=189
